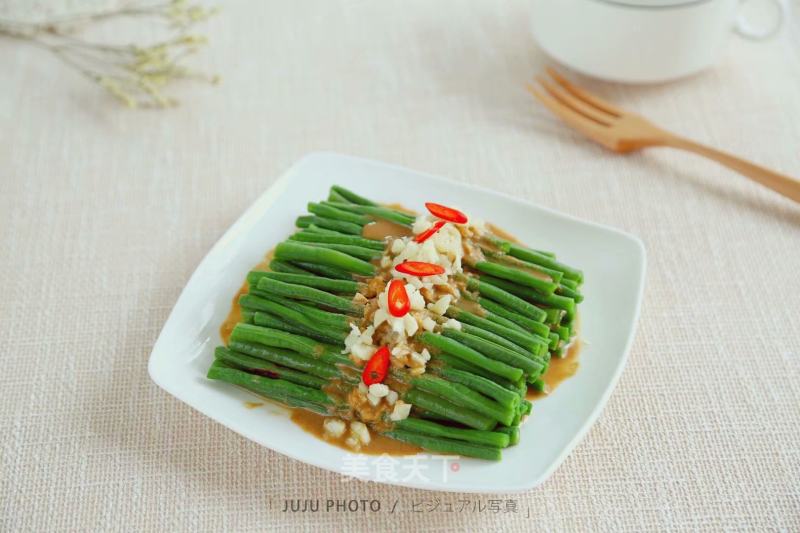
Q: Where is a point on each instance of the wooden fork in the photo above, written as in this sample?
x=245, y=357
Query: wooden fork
x=623, y=131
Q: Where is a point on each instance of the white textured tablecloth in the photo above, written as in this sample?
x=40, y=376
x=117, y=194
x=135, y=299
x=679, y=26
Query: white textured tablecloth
x=105, y=212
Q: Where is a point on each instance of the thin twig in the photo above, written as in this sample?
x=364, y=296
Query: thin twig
x=133, y=74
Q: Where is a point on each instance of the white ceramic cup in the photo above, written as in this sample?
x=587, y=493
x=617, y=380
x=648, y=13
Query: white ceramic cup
x=642, y=41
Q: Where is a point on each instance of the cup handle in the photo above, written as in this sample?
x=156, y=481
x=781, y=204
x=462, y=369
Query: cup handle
x=744, y=29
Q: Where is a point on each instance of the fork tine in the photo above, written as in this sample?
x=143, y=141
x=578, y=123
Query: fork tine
x=576, y=104
x=586, y=126
x=591, y=99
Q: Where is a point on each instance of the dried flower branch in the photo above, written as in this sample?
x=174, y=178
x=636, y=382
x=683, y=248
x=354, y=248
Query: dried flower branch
x=134, y=75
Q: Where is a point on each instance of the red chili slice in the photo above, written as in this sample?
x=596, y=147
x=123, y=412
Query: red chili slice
x=428, y=233
x=418, y=268
x=377, y=367
x=446, y=213
x=399, y=304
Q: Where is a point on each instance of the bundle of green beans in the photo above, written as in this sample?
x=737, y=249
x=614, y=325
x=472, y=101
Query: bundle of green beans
x=470, y=401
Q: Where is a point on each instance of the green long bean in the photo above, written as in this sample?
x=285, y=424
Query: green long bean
x=329, y=211
x=334, y=196
x=309, y=294
x=516, y=276
x=293, y=251
x=325, y=271
x=326, y=319
x=497, y=339
x=571, y=283
x=538, y=257
x=268, y=320
x=339, y=226
x=448, y=361
x=450, y=446
x=330, y=285
x=506, y=299
x=462, y=395
x=555, y=316
x=513, y=262
x=313, y=228
x=563, y=332
x=287, y=358
x=475, y=436
x=523, y=339
x=365, y=254
x=532, y=256
x=569, y=292
x=529, y=365
x=289, y=341
x=481, y=384
x=310, y=236
x=351, y=196
x=248, y=363
x=283, y=266
x=278, y=389
x=527, y=407
x=330, y=324
x=470, y=355
x=502, y=315
x=538, y=385
x=551, y=300
x=512, y=432
x=444, y=407
x=385, y=213
x=554, y=340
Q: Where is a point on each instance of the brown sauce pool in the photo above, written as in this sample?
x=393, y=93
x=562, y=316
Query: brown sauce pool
x=470, y=306
x=235, y=314
x=401, y=208
x=503, y=234
x=559, y=369
x=381, y=229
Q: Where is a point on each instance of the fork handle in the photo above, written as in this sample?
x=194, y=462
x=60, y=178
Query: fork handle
x=779, y=183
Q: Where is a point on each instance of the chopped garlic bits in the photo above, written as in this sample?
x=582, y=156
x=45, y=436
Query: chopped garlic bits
x=359, y=431
x=444, y=248
x=377, y=392
x=406, y=325
x=401, y=411
x=391, y=398
x=429, y=298
x=334, y=427
x=452, y=323
x=359, y=344
x=378, y=389
x=440, y=306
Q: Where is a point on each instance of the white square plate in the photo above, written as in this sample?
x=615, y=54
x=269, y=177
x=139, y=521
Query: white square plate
x=613, y=263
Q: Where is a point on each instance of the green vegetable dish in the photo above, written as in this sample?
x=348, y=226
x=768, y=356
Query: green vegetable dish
x=430, y=330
